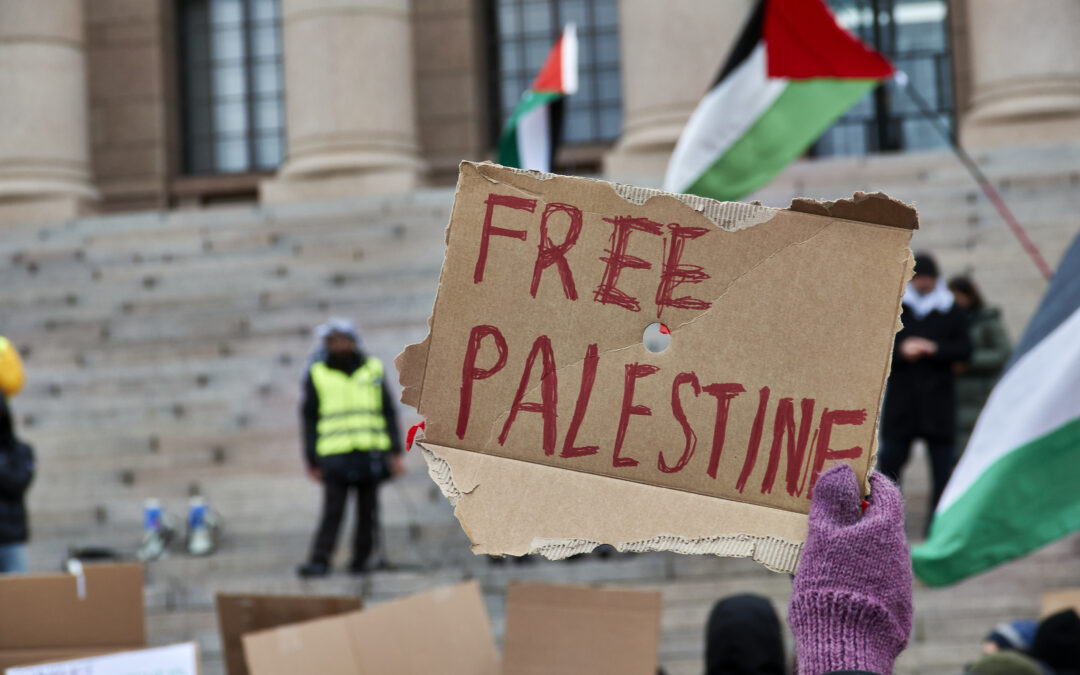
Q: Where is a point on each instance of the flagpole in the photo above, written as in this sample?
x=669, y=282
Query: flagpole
x=988, y=188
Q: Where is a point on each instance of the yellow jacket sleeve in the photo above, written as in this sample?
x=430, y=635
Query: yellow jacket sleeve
x=12, y=377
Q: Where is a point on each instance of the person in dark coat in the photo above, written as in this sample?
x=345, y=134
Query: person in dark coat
x=16, y=473
x=351, y=442
x=1057, y=642
x=743, y=637
x=990, y=351
x=920, y=399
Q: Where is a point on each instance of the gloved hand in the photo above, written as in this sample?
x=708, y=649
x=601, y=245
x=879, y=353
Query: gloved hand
x=851, y=604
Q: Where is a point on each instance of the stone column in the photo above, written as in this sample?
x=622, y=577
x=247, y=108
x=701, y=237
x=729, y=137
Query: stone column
x=44, y=138
x=1025, y=72
x=671, y=53
x=349, y=92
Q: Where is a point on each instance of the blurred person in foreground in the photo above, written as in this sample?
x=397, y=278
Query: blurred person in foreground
x=743, y=637
x=920, y=399
x=1056, y=644
x=1010, y=636
x=16, y=473
x=351, y=441
x=990, y=350
x=851, y=601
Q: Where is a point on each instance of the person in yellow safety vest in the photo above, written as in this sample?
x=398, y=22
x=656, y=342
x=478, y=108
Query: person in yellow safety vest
x=351, y=442
x=11, y=369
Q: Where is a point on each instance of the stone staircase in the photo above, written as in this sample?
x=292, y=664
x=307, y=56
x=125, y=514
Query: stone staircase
x=164, y=354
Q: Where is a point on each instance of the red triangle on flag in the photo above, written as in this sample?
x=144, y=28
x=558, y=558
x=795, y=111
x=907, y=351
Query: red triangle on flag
x=550, y=76
x=803, y=41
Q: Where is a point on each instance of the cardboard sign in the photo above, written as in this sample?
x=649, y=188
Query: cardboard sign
x=173, y=660
x=443, y=631
x=586, y=631
x=240, y=614
x=537, y=388
x=48, y=617
x=1056, y=601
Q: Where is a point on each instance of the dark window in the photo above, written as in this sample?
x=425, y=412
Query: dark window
x=231, y=85
x=523, y=32
x=913, y=34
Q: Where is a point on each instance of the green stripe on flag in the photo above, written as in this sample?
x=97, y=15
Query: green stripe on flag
x=1024, y=500
x=508, y=147
x=803, y=112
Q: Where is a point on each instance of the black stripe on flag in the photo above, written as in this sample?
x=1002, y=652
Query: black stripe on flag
x=1061, y=301
x=748, y=41
x=556, y=113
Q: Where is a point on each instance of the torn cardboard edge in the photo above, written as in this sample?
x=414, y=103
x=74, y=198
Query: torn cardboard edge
x=875, y=208
x=470, y=481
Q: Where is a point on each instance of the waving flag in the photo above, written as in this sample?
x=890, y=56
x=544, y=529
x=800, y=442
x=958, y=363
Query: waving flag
x=793, y=72
x=529, y=139
x=1015, y=488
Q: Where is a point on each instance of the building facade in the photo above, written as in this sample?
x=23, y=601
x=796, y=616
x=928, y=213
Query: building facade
x=110, y=105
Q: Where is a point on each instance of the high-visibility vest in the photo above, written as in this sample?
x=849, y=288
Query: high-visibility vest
x=350, y=409
x=11, y=369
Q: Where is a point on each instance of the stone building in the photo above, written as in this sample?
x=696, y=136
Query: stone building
x=147, y=104
x=188, y=186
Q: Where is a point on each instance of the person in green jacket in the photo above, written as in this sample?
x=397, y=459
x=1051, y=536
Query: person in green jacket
x=976, y=377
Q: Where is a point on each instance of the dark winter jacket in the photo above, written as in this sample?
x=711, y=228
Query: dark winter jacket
x=990, y=351
x=16, y=473
x=352, y=467
x=920, y=398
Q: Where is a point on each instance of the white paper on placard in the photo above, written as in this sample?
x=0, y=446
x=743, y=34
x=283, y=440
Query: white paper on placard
x=180, y=659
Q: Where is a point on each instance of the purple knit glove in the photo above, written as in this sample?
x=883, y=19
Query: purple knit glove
x=851, y=604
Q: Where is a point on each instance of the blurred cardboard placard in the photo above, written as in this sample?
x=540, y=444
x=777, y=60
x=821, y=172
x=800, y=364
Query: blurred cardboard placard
x=240, y=614
x=1056, y=601
x=536, y=386
x=580, y=631
x=182, y=659
x=52, y=617
x=443, y=631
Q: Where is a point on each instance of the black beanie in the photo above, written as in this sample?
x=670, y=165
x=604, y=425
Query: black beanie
x=925, y=265
x=1057, y=642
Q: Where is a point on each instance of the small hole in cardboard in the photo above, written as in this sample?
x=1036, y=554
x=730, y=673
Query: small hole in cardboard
x=656, y=337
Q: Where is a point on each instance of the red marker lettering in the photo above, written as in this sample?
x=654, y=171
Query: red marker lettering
x=784, y=425
x=617, y=259
x=488, y=230
x=680, y=416
x=634, y=371
x=470, y=373
x=723, y=394
x=829, y=419
x=755, y=439
x=674, y=274
x=588, y=376
x=551, y=254
x=549, y=394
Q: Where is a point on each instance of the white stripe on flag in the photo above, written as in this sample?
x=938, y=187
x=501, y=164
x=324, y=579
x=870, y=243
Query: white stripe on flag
x=534, y=139
x=569, y=60
x=1037, y=395
x=725, y=114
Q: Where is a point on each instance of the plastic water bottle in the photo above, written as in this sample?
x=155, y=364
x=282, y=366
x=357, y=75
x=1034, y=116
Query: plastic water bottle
x=151, y=515
x=157, y=532
x=200, y=534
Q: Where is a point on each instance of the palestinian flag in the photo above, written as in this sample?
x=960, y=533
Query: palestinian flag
x=530, y=137
x=1016, y=486
x=793, y=72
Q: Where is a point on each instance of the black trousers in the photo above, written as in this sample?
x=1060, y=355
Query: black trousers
x=335, y=496
x=894, y=452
